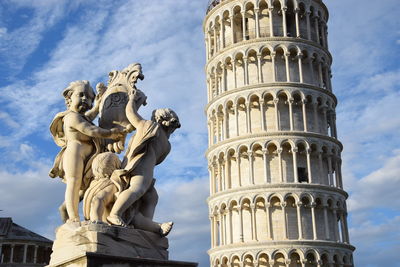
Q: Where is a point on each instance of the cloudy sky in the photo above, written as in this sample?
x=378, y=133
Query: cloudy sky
x=45, y=44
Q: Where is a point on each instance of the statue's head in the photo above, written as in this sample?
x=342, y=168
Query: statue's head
x=105, y=164
x=79, y=96
x=167, y=118
x=133, y=72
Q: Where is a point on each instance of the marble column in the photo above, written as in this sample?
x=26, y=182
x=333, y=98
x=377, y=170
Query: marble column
x=244, y=25
x=262, y=117
x=314, y=224
x=257, y=14
x=276, y=101
x=273, y=55
x=271, y=24
x=304, y=109
x=251, y=167
x=300, y=62
x=299, y=223
x=279, y=151
x=284, y=9
x=296, y=175
x=308, y=13
x=326, y=222
x=287, y=66
x=266, y=165
x=291, y=121
x=296, y=12
x=259, y=69
x=253, y=222
x=309, y=170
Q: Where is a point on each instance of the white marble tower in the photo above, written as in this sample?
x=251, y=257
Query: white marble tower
x=276, y=190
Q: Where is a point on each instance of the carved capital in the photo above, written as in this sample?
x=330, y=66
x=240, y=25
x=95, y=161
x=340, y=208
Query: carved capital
x=313, y=204
x=279, y=150
x=299, y=204
x=250, y=154
x=295, y=150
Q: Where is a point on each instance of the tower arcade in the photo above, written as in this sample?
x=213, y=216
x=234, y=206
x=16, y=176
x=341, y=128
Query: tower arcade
x=276, y=189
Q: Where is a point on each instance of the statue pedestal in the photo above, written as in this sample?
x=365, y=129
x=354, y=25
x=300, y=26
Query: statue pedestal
x=99, y=260
x=93, y=244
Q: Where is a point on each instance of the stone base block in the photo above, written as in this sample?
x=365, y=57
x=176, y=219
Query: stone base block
x=99, y=260
x=74, y=242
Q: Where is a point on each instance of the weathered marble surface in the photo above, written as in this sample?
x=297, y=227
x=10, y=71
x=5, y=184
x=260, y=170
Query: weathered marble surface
x=98, y=260
x=108, y=240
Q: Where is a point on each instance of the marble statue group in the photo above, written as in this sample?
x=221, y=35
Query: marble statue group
x=113, y=192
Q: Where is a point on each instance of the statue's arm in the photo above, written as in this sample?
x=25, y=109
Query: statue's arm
x=92, y=114
x=131, y=112
x=77, y=122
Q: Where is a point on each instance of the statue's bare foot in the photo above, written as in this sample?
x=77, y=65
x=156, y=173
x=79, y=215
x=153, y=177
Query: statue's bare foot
x=73, y=224
x=116, y=220
x=165, y=228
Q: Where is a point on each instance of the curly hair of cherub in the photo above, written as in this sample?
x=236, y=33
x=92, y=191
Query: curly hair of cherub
x=104, y=164
x=166, y=117
x=67, y=92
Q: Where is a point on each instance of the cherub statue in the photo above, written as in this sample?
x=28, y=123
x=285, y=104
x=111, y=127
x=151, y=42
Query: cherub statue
x=104, y=190
x=80, y=141
x=147, y=148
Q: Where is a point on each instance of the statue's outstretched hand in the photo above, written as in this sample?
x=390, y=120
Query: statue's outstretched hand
x=117, y=134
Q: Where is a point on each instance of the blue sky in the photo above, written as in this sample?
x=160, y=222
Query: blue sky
x=46, y=44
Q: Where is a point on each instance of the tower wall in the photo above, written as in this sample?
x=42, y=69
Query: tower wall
x=276, y=189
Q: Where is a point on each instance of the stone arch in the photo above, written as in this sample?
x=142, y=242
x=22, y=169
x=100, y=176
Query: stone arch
x=283, y=110
x=294, y=71
x=252, y=66
x=287, y=160
x=306, y=215
x=263, y=259
x=250, y=20
x=277, y=18
x=269, y=112
x=277, y=215
x=279, y=258
x=224, y=262
x=264, y=19
x=274, y=170
x=291, y=5
x=239, y=69
x=235, y=260
x=291, y=216
x=237, y=23
x=311, y=257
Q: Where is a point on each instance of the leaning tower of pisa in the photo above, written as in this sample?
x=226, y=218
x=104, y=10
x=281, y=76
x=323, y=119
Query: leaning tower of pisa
x=276, y=190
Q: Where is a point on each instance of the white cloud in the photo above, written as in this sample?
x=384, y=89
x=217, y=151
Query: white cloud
x=184, y=203
x=376, y=189
x=377, y=243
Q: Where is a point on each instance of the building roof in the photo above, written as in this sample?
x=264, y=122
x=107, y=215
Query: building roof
x=12, y=231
